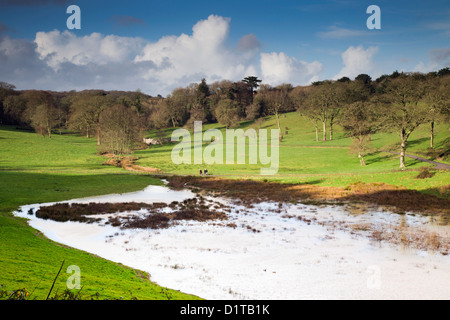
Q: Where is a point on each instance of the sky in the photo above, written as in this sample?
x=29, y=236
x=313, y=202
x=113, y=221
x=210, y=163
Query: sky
x=157, y=46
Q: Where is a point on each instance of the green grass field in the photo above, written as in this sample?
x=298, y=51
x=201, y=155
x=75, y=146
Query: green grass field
x=325, y=163
x=36, y=170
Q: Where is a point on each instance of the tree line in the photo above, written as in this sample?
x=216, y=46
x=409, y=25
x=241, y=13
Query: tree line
x=399, y=102
x=116, y=119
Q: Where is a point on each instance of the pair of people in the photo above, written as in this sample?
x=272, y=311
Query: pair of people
x=203, y=172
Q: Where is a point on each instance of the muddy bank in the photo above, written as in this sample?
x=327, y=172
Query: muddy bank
x=383, y=196
x=128, y=163
x=136, y=215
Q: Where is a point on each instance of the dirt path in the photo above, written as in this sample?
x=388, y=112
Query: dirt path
x=128, y=163
x=439, y=165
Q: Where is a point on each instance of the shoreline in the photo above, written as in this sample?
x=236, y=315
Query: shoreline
x=398, y=199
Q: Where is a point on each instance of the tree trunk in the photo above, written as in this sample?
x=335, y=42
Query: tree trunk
x=331, y=131
x=361, y=160
x=49, y=131
x=280, y=136
x=432, y=134
x=98, y=137
x=360, y=151
x=331, y=128
x=403, y=150
x=324, y=131
x=317, y=132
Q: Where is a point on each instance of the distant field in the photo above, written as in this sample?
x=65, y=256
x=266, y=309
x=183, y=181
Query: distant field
x=329, y=163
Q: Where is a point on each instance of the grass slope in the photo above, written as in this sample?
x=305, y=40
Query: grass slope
x=37, y=170
x=325, y=163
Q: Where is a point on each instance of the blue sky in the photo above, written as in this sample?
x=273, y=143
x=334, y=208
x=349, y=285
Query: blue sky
x=159, y=45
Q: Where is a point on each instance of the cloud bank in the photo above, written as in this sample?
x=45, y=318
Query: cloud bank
x=58, y=60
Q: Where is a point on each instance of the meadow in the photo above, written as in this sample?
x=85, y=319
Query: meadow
x=34, y=169
x=324, y=163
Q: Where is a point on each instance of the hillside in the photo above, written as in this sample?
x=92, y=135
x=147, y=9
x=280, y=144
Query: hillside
x=324, y=163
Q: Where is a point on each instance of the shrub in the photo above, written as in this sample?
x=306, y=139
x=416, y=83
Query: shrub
x=425, y=173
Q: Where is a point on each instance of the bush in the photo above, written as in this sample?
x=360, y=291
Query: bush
x=425, y=173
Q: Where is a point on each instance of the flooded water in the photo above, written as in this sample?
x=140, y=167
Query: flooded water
x=269, y=251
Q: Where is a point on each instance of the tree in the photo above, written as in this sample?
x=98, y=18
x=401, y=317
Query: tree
x=242, y=95
x=42, y=112
x=6, y=89
x=85, y=112
x=253, y=84
x=199, y=110
x=344, y=79
x=321, y=103
x=444, y=72
x=227, y=113
x=339, y=92
x=160, y=117
x=176, y=106
x=254, y=111
x=437, y=98
x=277, y=101
x=119, y=128
x=360, y=121
x=14, y=108
x=402, y=110
x=300, y=98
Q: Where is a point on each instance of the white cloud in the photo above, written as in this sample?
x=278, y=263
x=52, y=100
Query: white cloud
x=357, y=60
x=65, y=61
x=202, y=54
x=26, y=68
x=58, y=48
x=278, y=68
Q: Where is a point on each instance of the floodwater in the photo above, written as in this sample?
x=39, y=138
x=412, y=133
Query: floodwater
x=264, y=252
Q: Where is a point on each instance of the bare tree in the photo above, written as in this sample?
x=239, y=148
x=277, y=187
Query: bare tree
x=119, y=128
x=177, y=105
x=321, y=103
x=402, y=110
x=14, y=107
x=41, y=110
x=85, y=113
x=300, y=98
x=360, y=121
x=277, y=101
x=437, y=97
x=227, y=113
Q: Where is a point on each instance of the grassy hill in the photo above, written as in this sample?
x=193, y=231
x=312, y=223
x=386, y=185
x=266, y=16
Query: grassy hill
x=325, y=163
